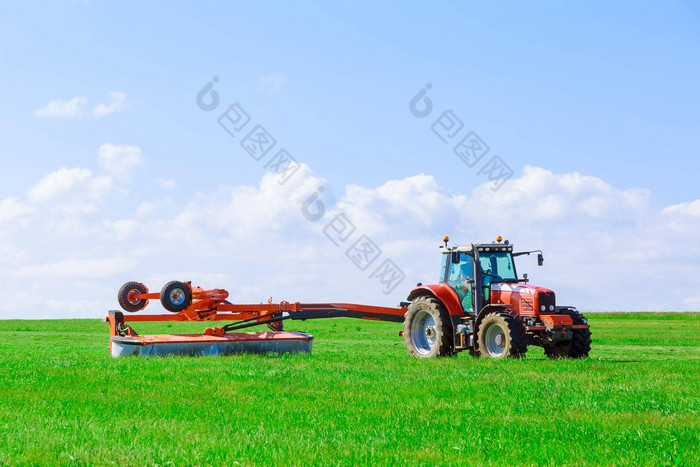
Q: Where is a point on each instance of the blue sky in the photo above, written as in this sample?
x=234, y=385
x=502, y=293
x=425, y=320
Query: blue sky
x=607, y=91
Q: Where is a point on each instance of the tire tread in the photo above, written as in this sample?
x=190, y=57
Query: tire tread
x=516, y=331
x=445, y=346
x=580, y=344
x=123, y=297
x=164, y=292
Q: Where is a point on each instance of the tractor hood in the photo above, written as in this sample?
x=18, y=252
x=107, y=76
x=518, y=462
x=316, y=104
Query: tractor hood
x=525, y=299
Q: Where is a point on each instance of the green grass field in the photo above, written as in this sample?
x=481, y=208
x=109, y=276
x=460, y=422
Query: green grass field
x=358, y=399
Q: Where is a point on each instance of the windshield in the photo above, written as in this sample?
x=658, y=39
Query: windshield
x=498, y=266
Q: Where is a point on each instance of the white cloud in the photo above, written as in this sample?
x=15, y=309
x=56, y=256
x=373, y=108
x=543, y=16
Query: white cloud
x=603, y=245
x=116, y=101
x=165, y=184
x=58, y=183
x=119, y=160
x=77, y=268
x=689, y=209
x=270, y=85
x=416, y=202
x=12, y=209
x=540, y=195
x=71, y=190
x=62, y=109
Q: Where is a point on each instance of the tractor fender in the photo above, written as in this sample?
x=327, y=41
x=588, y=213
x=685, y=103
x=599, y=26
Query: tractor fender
x=442, y=292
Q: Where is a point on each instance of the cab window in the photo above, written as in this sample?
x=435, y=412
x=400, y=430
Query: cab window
x=457, y=278
x=460, y=272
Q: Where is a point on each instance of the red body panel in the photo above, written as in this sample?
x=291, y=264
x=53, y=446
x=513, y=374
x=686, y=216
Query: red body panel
x=444, y=293
x=522, y=297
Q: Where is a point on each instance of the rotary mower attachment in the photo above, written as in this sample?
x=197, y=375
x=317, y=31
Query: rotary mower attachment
x=190, y=303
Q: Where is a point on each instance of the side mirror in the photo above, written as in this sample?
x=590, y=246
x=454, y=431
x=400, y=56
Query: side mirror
x=455, y=257
x=540, y=259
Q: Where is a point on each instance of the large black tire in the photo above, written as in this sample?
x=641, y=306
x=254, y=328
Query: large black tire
x=501, y=335
x=580, y=343
x=427, y=329
x=126, y=293
x=175, y=296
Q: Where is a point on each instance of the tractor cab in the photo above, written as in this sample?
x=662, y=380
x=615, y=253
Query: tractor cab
x=473, y=268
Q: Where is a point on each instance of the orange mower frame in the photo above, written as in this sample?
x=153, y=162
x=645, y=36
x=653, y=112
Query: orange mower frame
x=193, y=303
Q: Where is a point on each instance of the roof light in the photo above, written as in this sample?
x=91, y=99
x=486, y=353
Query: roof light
x=499, y=238
x=445, y=239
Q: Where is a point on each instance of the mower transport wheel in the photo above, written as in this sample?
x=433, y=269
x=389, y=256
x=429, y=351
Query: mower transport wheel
x=501, y=335
x=175, y=296
x=427, y=329
x=126, y=296
x=578, y=346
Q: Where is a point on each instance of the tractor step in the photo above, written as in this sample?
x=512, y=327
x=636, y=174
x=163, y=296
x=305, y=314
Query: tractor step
x=202, y=344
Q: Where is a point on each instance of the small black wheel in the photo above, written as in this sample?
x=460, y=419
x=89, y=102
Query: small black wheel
x=580, y=343
x=175, y=296
x=501, y=335
x=126, y=297
x=427, y=329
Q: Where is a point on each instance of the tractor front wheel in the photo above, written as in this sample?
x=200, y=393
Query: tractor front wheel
x=501, y=335
x=427, y=329
x=578, y=346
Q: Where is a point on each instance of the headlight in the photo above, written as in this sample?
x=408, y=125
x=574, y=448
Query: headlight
x=543, y=308
x=551, y=307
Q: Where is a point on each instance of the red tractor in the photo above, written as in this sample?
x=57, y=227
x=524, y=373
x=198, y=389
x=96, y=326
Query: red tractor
x=481, y=305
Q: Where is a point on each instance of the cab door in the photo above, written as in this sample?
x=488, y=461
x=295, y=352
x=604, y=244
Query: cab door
x=458, y=275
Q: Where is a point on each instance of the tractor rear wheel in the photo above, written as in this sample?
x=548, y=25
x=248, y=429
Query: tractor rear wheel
x=126, y=297
x=427, y=329
x=501, y=335
x=578, y=346
x=175, y=296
